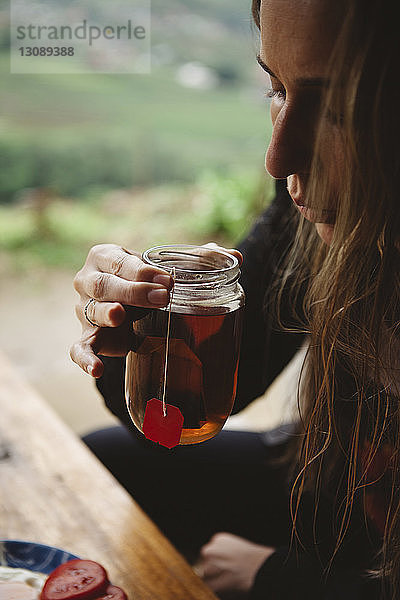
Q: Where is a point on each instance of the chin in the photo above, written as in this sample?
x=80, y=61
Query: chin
x=325, y=232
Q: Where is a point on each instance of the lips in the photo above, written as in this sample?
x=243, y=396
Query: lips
x=317, y=216
x=297, y=186
x=313, y=215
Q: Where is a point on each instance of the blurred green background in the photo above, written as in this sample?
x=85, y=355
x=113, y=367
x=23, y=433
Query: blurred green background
x=138, y=160
x=112, y=157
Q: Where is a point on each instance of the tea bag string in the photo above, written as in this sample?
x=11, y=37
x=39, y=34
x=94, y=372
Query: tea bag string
x=164, y=404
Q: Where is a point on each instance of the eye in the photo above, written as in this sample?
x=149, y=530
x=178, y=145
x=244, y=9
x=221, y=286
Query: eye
x=278, y=94
x=276, y=91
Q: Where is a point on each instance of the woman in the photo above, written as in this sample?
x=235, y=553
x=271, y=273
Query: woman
x=334, y=530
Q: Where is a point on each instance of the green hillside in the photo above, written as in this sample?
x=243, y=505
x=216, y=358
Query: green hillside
x=79, y=132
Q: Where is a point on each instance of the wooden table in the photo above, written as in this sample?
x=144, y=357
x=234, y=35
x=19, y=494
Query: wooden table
x=54, y=491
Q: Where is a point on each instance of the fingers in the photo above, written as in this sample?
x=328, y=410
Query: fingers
x=102, y=314
x=83, y=355
x=232, y=251
x=207, y=569
x=112, y=280
x=229, y=564
x=111, y=288
x=106, y=341
x=111, y=274
x=115, y=260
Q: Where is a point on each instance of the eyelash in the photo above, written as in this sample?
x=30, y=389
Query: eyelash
x=279, y=94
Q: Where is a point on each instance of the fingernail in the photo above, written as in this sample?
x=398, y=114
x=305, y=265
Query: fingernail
x=158, y=297
x=163, y=280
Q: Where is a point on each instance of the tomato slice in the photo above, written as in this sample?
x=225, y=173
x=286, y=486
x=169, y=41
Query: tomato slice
x=76, y=579
x=113, y=593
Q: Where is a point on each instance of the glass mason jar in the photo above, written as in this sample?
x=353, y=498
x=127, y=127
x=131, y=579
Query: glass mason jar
x=203, y=347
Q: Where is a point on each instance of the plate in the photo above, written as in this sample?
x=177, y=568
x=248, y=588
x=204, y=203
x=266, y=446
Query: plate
x=31, y=556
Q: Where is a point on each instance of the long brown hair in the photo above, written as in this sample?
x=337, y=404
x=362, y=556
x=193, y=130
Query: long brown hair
x=353, y=287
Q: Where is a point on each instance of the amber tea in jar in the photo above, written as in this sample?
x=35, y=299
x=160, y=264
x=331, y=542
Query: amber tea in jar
x=204, y=322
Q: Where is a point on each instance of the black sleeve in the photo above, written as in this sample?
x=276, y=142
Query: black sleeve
x=112, y=387
x=300, y=577
x=265, y=350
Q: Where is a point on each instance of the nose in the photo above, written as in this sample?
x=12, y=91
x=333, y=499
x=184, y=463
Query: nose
x=290, y=149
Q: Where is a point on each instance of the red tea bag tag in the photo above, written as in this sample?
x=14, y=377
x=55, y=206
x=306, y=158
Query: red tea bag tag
x=162, y=427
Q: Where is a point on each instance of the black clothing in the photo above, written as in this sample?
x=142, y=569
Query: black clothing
x=192, y=492
x=230, y=483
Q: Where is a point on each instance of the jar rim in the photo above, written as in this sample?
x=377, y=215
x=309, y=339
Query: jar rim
x=182, y=250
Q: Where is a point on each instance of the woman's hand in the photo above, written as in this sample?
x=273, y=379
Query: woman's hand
x=113, y=282
x=115, y=279
x=228, y=565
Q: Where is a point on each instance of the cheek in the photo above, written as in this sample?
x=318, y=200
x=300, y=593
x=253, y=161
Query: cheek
x=332, y=157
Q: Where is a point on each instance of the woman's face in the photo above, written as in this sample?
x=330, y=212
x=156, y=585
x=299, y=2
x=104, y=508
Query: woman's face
x=297, y=37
